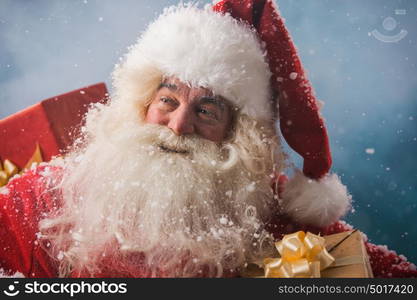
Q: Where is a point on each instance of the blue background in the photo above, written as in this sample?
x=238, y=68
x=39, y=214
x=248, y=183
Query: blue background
x=369, y=86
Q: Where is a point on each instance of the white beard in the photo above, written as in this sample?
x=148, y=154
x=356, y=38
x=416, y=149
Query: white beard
x=193, y=213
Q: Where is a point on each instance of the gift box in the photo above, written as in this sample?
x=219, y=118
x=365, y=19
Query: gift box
x=344, y=256
x=351, y=247
x=45, y=129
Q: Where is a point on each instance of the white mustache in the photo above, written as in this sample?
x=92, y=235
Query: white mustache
x=169, y=142
x=188, y=145
x=162, y=140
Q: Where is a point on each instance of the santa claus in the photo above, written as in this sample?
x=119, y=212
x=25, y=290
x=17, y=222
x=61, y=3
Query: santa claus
x=179, y=174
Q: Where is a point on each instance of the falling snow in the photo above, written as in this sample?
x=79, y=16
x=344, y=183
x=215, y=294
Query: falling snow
x=370, y=150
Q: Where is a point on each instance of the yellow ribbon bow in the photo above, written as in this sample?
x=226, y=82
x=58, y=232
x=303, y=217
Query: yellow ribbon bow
x=9, y=169
x=302, y=255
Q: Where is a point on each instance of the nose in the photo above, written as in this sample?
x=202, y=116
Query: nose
x=181, y=122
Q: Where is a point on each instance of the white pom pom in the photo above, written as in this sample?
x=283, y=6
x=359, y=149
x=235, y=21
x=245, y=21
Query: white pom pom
x=315, y=202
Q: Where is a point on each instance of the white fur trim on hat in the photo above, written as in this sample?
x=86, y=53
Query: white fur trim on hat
x=315, y=202
x=205, y=49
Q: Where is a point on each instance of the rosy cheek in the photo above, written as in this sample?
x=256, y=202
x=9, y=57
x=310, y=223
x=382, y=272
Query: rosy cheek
x=214, y=135
x=220, y=134
x=154, y=116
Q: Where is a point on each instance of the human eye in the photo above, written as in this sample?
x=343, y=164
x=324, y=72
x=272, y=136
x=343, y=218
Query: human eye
x=207, y=113
x=168, y=102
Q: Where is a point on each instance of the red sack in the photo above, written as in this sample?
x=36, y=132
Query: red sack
x=52, y=124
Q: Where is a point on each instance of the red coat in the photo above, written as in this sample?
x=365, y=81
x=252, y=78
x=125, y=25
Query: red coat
x=24, y=202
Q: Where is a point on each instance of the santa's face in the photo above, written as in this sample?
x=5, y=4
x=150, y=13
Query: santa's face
x=190, y=110
x=180, y=179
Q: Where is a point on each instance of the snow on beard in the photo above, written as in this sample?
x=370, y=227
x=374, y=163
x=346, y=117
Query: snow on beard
x=139, y=188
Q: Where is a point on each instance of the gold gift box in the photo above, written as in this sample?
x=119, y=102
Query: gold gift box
x=348, y=249
x=352, y=246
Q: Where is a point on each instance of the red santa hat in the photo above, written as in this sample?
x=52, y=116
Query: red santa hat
x=241, y=50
